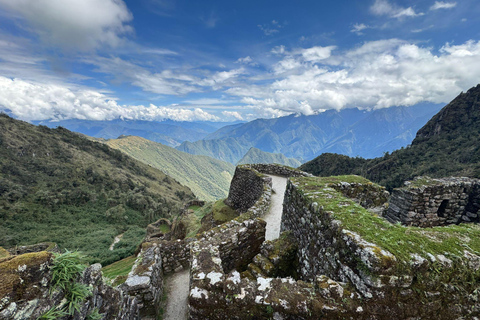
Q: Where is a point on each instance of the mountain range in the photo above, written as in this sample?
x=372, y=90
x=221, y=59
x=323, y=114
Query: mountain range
x=168, y=132
x=350, y=132
x=446, y=145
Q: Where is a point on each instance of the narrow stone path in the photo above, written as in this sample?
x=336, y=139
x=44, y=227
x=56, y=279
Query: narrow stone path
x=274, y=215
x=115, y=241
x=178, y=288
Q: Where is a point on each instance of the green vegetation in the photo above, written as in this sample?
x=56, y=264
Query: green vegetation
x=222, y=212
x=446, y=146
x=120, y=268
x=207, y=177
x=66, y=269
x=61, y=187
x=401, y=241
x=255, y=155
x=193, y=220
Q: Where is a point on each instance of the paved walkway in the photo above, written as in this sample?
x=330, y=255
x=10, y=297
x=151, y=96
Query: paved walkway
x=274, y=216
x=177, y=286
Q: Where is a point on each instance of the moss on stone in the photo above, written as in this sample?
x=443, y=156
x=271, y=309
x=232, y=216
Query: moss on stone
x=402, y=241
x=3, y=253
x=11, y=269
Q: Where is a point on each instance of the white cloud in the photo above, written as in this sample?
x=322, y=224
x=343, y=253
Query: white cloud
x=316, y=54
x=358, y=28
x=278, y=50
x=232, y=115
x=74, y=24
x=39, y=101
x=385, y=8
x=378, y=74
x=408, y=12
x=443, y=5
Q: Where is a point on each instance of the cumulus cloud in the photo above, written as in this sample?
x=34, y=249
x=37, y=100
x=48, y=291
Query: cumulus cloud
x=443, y=5
x=316, y=54
x=74, y=24
x=378, y=74
x=35, y=101
x=385, y=8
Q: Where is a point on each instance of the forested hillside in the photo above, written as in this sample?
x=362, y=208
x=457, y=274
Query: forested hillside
x=58, y=186
x=448, y=145
x=207, y=177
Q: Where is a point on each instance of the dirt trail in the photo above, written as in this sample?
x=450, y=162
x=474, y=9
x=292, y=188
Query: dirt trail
x=274, y=215
x=177, y=286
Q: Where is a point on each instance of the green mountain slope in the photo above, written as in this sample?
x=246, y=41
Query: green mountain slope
x=448, y=145
x=255, y=155
x=58, y=186
x=208, y=178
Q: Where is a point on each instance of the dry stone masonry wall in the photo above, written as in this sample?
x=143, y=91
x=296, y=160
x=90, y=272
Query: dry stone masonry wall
x=419, y=285
x=427, y=202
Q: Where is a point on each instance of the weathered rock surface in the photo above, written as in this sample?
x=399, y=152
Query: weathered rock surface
x=25, y=290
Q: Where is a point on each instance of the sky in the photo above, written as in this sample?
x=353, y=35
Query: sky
x=231, y=60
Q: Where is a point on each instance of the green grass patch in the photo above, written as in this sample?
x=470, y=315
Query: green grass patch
x=193, y=219
x=401, y=241
x=222, y=212
x=119, y=268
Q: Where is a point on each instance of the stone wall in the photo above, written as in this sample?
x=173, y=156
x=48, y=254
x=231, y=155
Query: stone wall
x=145, y=280
x=277, y=170
x=324, y=248
x=246, y=188
x=368, y=195
x=427, y=202
x=416, y=286
x=25, y=291
x=220, y=290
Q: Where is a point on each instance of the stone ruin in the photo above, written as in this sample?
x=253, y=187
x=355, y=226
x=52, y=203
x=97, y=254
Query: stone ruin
x=317, y=269
x=427, y=202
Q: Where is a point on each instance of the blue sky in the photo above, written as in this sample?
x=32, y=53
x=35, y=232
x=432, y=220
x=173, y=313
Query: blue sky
x=231, y=60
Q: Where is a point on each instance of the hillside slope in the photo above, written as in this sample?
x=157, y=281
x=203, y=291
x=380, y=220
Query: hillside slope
x=351, y=132
x=255, y=155
x=446, y=145
x=208, y=178
x=58, y=186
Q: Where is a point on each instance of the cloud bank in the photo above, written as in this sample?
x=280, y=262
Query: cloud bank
x=35, y=101
x=377, y=74
x=74, y=24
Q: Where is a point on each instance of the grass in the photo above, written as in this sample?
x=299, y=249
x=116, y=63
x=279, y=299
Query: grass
x=120, y=268
x=401, y=241
x=222, y=212
x=193, y=219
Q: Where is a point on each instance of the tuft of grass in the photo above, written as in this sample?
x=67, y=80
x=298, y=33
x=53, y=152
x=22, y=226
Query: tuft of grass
x=65, y=269
x=53, y=314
